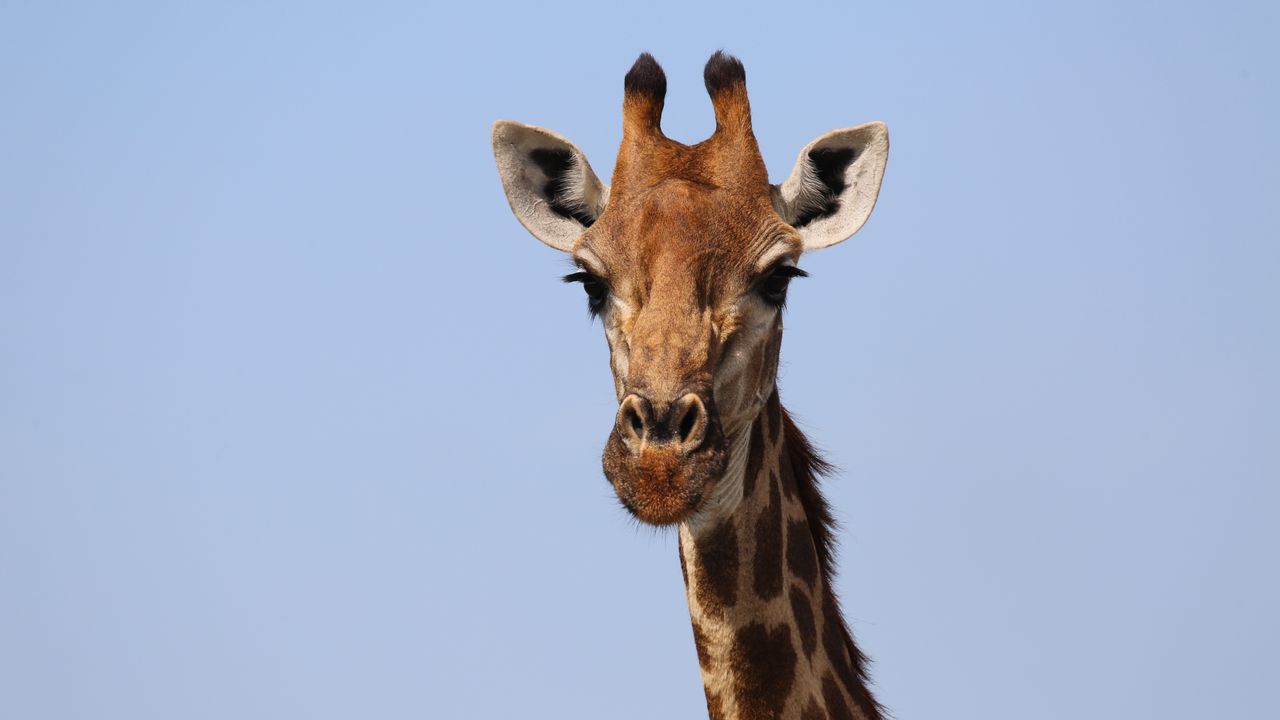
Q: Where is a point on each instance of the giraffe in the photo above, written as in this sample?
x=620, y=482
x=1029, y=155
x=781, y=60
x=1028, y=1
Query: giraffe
x=686, y=259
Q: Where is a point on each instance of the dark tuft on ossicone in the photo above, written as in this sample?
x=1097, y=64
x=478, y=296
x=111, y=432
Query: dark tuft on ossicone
x=723, y=71
x=646, y=77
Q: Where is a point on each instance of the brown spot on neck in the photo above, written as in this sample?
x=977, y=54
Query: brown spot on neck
x=802, y=559
x=767, y=568
x=717, y=568
x=774, y=411
x=700, y=645
x=802, y=612
x=787, y=476
x=837, y=708
x=764, y=664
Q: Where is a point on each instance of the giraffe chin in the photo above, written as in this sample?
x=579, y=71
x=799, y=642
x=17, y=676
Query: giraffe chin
x=660, y=485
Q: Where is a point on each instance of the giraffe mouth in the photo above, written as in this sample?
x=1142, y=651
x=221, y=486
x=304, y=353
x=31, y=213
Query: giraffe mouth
x=661, y=484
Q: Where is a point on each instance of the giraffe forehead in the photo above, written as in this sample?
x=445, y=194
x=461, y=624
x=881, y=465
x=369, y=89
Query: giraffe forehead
x=684, y=236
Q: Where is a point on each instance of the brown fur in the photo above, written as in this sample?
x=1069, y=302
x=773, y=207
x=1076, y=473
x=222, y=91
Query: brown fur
x=660, y=485
x=802, y=611
x=765, y=664
x=678, y=242
x=837, y=708
x=800, y=552
x=773, y=411
x=767, y=569
x=717, y=569
x=715, y=707
x=700, y=645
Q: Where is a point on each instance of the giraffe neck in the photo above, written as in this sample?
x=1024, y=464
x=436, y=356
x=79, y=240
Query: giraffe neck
x=770, y=638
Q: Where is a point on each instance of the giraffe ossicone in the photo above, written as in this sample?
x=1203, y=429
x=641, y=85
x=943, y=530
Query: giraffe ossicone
x=687, y=258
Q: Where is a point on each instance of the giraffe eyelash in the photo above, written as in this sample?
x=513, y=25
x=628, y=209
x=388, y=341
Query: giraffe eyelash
x=596, y=288
x=772, y=288
x=787, y=271
x=580, y=276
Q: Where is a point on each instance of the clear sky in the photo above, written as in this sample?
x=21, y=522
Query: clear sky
x=297, y=422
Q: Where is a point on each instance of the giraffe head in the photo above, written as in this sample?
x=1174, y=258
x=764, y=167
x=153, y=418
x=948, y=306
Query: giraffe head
x=686, y=259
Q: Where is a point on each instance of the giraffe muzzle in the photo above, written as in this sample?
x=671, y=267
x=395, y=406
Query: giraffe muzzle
x=663, y=456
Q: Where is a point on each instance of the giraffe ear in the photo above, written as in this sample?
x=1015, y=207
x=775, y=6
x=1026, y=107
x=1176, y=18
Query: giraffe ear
x=834, y=184
x=549, y=183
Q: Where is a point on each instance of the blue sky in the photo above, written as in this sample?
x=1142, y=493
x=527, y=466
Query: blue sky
x=296, y=421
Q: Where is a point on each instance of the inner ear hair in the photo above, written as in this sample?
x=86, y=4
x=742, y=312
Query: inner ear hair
x=565, y=190
x=548, y=183
x=834, y=184
x=821, y=185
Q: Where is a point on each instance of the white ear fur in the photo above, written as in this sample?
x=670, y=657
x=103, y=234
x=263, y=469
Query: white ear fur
x=834, y=185
x=548, y=181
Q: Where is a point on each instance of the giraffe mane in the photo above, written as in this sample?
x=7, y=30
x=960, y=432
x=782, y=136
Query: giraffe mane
x=807, y=465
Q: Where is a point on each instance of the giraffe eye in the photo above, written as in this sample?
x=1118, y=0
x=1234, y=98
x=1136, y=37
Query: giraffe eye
x=773, y=288
x=596, y=289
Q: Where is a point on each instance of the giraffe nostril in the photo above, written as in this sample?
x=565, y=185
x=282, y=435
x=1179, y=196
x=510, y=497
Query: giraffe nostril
x=693, y=421
x=631, y=421
x=686, y=423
